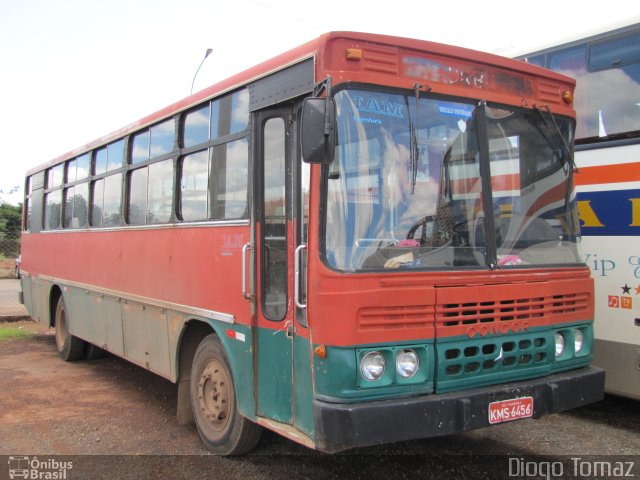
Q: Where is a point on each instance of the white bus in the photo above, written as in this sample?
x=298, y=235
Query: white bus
x=607, y=101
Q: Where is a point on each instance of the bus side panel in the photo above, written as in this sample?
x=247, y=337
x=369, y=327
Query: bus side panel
x=146, y=337
x=95, y=317
x=40, y=301
x=609, y=208
x=303, y=397
x=111, y=318
x=622, y=364
x=274, y=375
x=80, y=322
x=197, y=267
x=27, y=297
x=237, y=341
x=617, y=337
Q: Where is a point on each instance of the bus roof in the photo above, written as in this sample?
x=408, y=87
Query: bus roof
x=314, y=49
x=618, y=28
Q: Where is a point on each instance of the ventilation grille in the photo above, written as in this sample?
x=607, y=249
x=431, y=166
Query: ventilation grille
x=460, y=314
x=382, y=59
x=485, y=362
x=490, y=356
x=549, y=93
x=413, y=316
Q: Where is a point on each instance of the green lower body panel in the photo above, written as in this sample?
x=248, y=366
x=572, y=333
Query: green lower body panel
x=464, y=362
x=337, y=377
x=303, y=387
x=275, y=375
x=285, y=388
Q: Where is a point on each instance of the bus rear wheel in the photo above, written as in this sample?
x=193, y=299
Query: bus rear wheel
x=93, y=352
x=215, y=408
x=69, y=347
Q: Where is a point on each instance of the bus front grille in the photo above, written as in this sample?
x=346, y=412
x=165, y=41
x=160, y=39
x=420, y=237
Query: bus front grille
x=519, y=309
x=466, y=364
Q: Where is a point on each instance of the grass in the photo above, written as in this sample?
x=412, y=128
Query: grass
x=12, y=333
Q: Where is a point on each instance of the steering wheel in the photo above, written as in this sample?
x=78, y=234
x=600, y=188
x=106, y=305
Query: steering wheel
x=421, y=223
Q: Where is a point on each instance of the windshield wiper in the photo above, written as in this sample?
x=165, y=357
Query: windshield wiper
x=414, y=148
x=574, y=168
x=414, y=152
x=559, y=132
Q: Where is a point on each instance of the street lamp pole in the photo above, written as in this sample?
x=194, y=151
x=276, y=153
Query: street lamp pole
x=207, y=53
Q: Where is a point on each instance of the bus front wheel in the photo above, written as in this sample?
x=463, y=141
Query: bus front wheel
x=69, y=347
x=215, y=408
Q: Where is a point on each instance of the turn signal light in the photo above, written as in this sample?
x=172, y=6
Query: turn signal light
x=354, y=54
x=320, y=351
x=567, y=96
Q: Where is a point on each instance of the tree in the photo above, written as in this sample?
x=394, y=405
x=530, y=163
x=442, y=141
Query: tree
x=10, y=226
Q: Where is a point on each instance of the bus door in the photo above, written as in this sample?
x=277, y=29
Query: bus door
x=276, y=240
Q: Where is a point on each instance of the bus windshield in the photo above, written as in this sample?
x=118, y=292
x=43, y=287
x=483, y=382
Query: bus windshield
x=607, y=72
x=406, y=191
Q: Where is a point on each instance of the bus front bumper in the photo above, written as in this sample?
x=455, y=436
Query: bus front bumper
x=341, y=426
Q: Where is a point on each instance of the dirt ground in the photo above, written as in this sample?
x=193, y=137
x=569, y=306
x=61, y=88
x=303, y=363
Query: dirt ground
x=83, y=423
x=116, y=420
x=7, y=268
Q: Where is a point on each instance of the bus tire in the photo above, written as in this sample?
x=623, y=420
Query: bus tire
x=93, y=352
x=69, y=347
x=222, y=428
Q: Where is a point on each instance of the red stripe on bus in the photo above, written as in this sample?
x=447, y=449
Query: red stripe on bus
x=624, y=172
x=499, y=183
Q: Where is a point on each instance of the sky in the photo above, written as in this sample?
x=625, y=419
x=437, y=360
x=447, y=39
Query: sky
x=72, y=71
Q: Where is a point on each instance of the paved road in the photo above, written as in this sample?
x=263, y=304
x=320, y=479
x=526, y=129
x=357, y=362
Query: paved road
x=9, y=305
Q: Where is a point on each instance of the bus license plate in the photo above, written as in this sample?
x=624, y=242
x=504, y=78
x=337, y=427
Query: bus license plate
x=507, y=410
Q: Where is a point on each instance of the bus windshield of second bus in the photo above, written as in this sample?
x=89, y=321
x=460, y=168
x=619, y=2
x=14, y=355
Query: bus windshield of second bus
x=406, y=190
x=607, y=73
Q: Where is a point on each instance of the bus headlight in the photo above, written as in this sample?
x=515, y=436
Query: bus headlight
x=578, y=338
x=372, y=366
x=407, y=363
x=559, y=344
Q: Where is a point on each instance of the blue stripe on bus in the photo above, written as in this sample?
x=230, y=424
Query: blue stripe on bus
x=609, y=213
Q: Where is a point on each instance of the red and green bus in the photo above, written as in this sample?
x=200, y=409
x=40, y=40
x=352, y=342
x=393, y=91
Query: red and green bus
x=366, y=239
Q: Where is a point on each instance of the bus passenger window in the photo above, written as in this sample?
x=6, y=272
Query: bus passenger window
x=97, y=195
x=196, y=127
x=76, y=205
x=151, y=194
x=101, y=161
x=239, y=111
x=115, y=155
x=614, y=53
x=160, y=192
x=111, y=207
x=140, y=149
x=83, y=166
x=52, y=210
x=194, y=187
x=230, y=114
x=27, y=204
x=55, y=176
x=137, y=197
x=571, y=61
x=229, y=180
x=162, y=138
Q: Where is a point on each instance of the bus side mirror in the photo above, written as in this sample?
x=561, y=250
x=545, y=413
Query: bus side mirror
x=318, y=128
